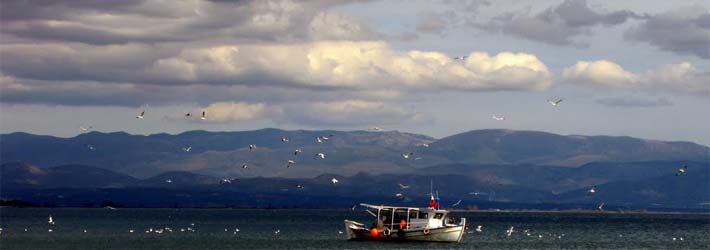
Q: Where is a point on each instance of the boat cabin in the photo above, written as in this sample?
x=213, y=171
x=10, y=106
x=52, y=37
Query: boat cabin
x=408, y=218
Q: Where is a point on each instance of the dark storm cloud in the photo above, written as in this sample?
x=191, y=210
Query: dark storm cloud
x=684, y=31
x=556, y=25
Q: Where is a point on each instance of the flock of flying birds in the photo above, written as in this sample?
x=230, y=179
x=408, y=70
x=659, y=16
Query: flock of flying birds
x=325, y=138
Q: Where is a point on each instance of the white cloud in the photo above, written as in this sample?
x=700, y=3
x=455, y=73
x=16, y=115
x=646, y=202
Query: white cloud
x=235, y=111
x=354, y=65
x=680, y=77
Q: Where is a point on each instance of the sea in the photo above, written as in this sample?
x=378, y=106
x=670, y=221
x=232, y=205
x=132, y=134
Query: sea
x=132, y=228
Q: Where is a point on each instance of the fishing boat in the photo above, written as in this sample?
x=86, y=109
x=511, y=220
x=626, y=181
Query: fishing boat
x=407, y=224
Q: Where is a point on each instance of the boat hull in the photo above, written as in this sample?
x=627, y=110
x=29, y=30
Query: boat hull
x=450, y=233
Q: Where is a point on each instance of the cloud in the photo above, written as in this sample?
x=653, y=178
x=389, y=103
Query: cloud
x=432, y=22
x=345, y=113
x=362, y=65
x=679, y=77
x=632, y=102
x=235, y=111
x=155, y=21
x=558, y=25
x=684, y=31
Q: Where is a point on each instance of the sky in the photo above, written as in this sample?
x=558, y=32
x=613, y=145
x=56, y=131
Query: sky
x=631, y=68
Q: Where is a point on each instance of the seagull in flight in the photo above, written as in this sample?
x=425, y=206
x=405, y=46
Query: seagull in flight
x=407, y=155
x=284, y=139
x=50, y=221
x=140, y=116
x=225, y=181
x=83, y=129
x=424, y=145
x=290, y=163
x=334, y=181
x=319, y=155
x=375, y=129
x=477, y=193
x=555, y=103
x=299, y=186
x=498, y=118
x=92, y=148
x=168, y=181
x=187, y=149
x=297, y=151
x=510, y=231
x=681, y=170
x=456, y=204
x=244, y=166
x=601, y=207
x=203, y=116
x=400, y=195
x=402, y=186
x=462, y=58
x=321, y=139
x=252, y=146
x=479, y=228
x=592, y=190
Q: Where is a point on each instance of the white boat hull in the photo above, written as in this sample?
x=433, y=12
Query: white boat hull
x=449, y=233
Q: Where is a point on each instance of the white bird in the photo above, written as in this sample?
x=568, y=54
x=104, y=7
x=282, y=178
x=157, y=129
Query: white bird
x=203, y=116
x=375, y=128
x=340, y=232
x=244, y=166
x=462, y=58
x=592, y=190
x=284, y=139
x=353, y=207
x=187, y=149
x=50, y=221
x=277, y=231
x=407, y=155
x=85, y=231
x=140, y=116
x=49, y=230
x=479, y=228
x=168, y=181
x=402, y=186
x=399, y=195
x=456, y=204
x=319, y=155
x=334, y=181
x=319, y=140
x=223, y=181
x=510, y=231
x=555, y=103
x=85, y=129
x=682, y=170
x=252, y=146
x=130, y=231
x=297, y=151
x=92, y=148
x=299, y=186
x=498, y=118
x=477, y=193
x=290, y=163
x=601, y=207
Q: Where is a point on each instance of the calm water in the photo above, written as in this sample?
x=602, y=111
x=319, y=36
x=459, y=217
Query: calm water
x=318, y=229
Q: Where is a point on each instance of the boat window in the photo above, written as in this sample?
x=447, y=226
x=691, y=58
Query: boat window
x=423, y=215
x=413, y=215
x=438, y=215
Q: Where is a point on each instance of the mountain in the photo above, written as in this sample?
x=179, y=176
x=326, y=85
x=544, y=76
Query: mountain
x=498, y=146
x=221, y=154
x=629, y=185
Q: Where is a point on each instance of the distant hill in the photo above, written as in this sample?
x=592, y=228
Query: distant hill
x=628, y=185
x=221, y=154
x=498, y=146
